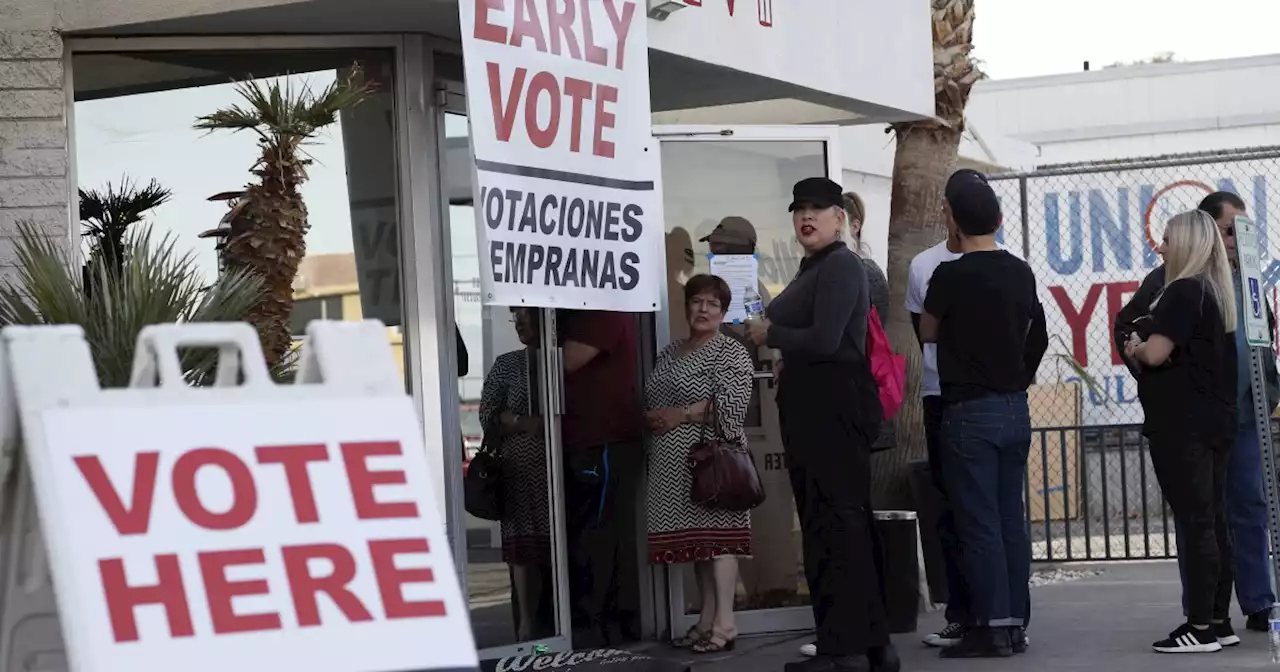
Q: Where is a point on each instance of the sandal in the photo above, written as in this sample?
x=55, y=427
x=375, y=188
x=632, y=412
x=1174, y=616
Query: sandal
x=691, y=638
x=714, y=642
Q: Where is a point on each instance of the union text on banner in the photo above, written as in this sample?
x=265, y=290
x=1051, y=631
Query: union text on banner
x=566, y=198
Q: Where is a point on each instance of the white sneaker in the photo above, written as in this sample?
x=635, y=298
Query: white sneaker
x=948, y=636
x=810, y=649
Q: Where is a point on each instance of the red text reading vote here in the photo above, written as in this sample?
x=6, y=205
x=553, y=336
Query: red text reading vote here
x=336, y=565
x=562, y=28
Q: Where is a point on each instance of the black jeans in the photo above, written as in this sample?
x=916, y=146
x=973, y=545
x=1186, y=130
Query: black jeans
x=828, y=435
x=959, y=599
x=1193, y=477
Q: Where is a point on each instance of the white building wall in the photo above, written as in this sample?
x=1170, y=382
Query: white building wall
x=1136, y=111
x=33, y=129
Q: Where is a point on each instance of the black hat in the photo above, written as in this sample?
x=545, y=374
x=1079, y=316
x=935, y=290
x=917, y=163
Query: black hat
x=973, y=202
x=816, y=191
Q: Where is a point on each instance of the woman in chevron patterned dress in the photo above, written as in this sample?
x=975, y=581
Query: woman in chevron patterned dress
x=684, y=377
x=526, y=529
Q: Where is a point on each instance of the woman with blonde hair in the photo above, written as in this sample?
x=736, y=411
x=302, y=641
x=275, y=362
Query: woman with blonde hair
x=1186, y=369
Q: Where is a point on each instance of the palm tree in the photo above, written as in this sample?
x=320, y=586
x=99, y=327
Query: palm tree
x=109, y=213
x=153, y=285
x=268, y=233
x=926, y=153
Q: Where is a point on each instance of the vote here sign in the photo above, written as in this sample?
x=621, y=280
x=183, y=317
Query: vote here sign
x=299, y=535
x=567, y=205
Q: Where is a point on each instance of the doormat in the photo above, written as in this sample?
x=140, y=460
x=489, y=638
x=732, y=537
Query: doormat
x=595, y=660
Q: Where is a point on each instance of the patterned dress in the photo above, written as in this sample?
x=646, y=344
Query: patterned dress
x=526, y=531
x=679, y=530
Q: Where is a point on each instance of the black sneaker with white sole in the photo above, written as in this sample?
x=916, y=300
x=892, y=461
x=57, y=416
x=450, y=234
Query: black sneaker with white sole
x=948, y=636
x=1187, y=639
x=1225, y=633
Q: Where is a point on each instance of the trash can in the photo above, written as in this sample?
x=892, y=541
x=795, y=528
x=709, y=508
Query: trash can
x=929, y=503
x=898, y=534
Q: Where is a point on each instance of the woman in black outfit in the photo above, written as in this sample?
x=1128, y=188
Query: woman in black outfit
x=1186, y=371
x=829, y=408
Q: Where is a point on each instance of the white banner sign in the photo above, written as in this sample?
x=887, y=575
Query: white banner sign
x=226, y=537
x=567, y=197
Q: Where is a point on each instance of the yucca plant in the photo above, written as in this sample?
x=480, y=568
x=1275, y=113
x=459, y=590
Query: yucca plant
x=268, y=233
x=155, y=284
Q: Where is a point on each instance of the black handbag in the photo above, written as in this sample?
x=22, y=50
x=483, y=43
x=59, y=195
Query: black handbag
x=482, y=486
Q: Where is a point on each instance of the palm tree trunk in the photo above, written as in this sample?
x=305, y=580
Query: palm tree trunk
x=926, y=153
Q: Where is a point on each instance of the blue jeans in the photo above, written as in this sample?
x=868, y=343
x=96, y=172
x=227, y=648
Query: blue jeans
x=1247, y=516
x=958, y=599
x=984, y=465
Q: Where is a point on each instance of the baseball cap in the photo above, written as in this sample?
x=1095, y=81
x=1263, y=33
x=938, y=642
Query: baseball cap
x=732, y=231
x=973, y=202
x=816, y=191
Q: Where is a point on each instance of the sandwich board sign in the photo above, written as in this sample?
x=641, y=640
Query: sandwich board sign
x=236, y=527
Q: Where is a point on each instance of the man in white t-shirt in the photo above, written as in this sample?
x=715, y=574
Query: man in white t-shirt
x=959, y=617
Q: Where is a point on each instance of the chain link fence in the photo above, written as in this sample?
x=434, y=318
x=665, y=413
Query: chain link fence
x=1089, y=232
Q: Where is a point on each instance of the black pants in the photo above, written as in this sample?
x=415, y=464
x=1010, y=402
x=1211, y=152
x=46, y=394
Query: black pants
x=828, y=427
x=599, y=488
x=1193, y=477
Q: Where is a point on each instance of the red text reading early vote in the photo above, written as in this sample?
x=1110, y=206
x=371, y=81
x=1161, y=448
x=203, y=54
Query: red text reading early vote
x=304, y=585
x=563, y=28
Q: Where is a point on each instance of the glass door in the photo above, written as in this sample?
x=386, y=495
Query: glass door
x=515, y=568
x=726, y=191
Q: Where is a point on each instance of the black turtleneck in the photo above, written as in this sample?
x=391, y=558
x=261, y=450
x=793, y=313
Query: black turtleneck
x=822, y=314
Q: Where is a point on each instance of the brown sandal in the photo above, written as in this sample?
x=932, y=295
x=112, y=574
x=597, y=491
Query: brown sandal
x=691, y=638
x=714, y=642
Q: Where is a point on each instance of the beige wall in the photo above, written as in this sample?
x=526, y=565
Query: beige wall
x=73, y=15
x=33, y=128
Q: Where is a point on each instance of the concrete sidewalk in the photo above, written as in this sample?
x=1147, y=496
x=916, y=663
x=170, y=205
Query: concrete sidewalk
x=1096, y=624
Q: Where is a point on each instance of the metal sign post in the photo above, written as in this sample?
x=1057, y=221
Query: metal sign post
x=1258, y=337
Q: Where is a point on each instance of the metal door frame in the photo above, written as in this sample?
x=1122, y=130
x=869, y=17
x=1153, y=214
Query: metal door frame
x=759, y=621
x=449, y=97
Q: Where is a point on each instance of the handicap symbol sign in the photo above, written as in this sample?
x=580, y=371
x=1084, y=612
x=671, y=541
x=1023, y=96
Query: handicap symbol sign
x=1255, y=297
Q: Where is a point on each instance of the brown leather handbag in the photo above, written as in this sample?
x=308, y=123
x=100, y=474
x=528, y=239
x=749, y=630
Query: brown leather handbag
x=724, y=475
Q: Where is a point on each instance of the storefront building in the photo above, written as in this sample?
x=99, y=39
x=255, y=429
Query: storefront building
x=747, y=98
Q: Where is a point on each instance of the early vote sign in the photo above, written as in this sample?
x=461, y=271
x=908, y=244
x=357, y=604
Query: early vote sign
x=567, y=203
x=257, y=535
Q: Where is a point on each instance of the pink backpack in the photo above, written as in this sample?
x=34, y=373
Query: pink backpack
x=888, y=367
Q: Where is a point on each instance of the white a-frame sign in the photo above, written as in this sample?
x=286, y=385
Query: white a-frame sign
x=244, y=526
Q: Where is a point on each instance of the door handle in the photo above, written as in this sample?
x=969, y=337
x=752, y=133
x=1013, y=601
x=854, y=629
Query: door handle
x=555, y=383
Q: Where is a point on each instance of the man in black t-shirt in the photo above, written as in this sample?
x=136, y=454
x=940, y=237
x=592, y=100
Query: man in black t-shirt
x=984, y=313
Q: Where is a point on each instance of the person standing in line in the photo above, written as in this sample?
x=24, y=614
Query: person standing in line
x=601, y=430
x=878, y=291
x=958, y=613
x=983, y=312
x=1246, y=497
x=829, y=408
x=959, y=617
x=687, y=376
x=1186, y=371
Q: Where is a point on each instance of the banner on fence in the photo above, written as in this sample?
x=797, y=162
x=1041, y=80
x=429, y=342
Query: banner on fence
x=1090, y=237
x=566, y=188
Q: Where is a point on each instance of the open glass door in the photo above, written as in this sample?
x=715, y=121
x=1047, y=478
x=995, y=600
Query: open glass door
x=726, y=191
x=514, y=573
